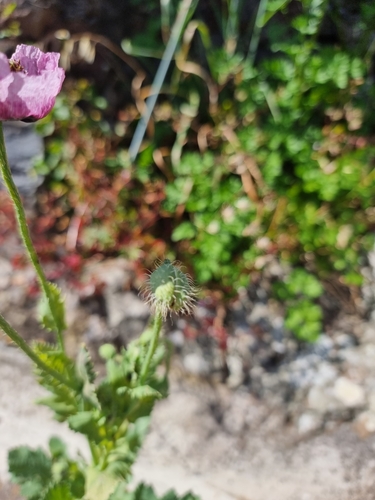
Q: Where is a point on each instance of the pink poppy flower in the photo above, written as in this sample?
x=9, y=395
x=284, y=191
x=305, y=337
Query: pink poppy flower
x=29, y=83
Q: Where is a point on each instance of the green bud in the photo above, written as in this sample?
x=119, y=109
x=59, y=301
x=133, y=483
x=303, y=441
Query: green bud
x=168, y=289
x=107, y=351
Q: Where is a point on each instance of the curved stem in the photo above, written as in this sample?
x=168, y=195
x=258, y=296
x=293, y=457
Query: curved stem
x=24, y=232
x=158, y=321
x=18, y=340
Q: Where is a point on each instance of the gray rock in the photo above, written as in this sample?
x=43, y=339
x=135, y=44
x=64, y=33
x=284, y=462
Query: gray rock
x=128, y=315
x=24, y=146
x=122, y=306
x=114, y=274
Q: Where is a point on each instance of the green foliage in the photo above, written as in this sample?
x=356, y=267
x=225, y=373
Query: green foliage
x=47, y=477
x=251, y=144
x=113, y=415
x=57, y=322
x=287, y=161
x=32, y=469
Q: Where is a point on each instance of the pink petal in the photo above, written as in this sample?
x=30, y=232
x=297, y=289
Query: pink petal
x=30, y=93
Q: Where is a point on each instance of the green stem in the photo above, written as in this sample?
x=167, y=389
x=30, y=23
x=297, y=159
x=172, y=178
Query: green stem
x=94, y=452
x=18, y=340
x=24, y=232
x=254, y=42
x=158, y=321
x=185, y=9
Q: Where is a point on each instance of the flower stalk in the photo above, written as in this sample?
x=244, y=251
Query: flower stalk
x=25, y=234
x=158, y=322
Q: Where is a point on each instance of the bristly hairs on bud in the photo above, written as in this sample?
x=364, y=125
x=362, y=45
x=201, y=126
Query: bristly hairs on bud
x=168, y=289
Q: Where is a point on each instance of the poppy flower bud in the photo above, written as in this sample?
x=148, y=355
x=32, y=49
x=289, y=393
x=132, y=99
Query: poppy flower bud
x=168, y=289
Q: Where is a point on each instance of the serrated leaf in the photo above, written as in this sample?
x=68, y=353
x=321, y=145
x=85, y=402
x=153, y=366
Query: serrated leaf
x=58, y=492
x=57, y=447
x=64, y=400
x=25, y=463
x=56, y=321
x=32, y=490
x=86, y=373
x=32, y=469
x=85, y=422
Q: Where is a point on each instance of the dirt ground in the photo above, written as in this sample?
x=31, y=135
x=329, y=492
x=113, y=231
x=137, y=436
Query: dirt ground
x=216, y=443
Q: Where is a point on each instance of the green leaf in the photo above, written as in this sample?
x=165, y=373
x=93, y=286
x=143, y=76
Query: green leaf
x=99, y=484
x=50, y=322
x=25, y=463
x=85, y=372
x=32, y=469
x=86, y=422
x=185, y=231
x=64, y=400
x=59, y=492
x=57, y=447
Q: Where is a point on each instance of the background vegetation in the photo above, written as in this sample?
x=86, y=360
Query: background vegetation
x=259, y=149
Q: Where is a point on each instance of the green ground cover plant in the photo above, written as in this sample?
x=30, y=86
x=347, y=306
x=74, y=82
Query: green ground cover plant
x=258, y=149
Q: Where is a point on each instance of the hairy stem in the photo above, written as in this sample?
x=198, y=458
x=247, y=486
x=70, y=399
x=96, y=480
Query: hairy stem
x=18, y=340
x=24, y=231
x=158, y=321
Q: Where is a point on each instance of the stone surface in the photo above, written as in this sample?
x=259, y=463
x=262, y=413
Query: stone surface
x=351, y=395
x=24, y=146
x=309, y=422
x=365, y=424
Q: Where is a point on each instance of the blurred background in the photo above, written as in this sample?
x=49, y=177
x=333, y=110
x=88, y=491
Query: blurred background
x=255, y=169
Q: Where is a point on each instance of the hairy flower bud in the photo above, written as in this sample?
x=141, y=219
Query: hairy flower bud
x=168, y=289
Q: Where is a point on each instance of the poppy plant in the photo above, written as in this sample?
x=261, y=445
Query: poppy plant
x=29, y=83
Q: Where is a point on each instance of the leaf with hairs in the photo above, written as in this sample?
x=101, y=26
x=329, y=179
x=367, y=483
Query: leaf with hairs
x=56, y=321
x=32, y=469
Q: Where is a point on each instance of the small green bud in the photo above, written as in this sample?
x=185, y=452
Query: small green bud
x=168, y=289
x=107, y=351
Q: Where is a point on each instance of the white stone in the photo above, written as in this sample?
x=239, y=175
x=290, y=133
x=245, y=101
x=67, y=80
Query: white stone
x=318, y=400
x=365, y=423
x=309, y=422
x=350, y=394
x=236, y=374
x=195, y=364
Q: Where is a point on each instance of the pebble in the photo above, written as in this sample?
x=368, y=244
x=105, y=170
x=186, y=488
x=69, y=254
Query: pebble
x=350, y=394
x=195, y=364
x=309, y=422
x=365, y=424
